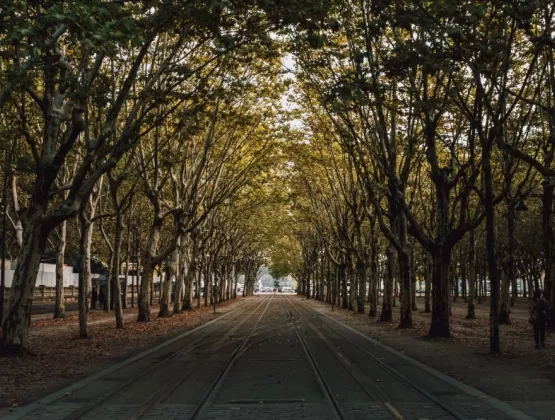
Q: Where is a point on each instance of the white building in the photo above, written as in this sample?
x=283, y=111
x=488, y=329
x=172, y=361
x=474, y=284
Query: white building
x=46, y=276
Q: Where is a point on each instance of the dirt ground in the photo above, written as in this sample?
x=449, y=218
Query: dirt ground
x=522, y=375
x=57, y=356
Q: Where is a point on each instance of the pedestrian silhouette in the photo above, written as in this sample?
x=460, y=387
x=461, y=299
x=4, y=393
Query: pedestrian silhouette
x=94, y=298
x=102, y=299
x=539, y=315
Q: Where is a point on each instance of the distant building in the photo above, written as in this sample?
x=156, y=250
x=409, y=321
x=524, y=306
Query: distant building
x=46, y=276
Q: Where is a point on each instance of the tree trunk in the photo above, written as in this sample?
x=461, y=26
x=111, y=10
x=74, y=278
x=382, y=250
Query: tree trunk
x=235, y=278
x=406, y=285
x=147, y=275
x=115, y=271
x=180, y=284
x=440, y=325
x=18, y=311
x=414, y=307
x=84, y=271
x=374, y=280
x=490, y=246
x=144, y=297
x=429, y=269
x=387, y=304
x=166, y=291
x=504, y=310
x=361, y=280
x=207, y=293
x=188, y=283
x=126, y=274
x=508, y=277
x=59, y=308
x=464, y=277
x=549, y=242
x=343, y=280
x=471, y=311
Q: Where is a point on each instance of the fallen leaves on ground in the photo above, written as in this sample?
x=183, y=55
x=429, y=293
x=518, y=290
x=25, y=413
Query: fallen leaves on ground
x=57, y=356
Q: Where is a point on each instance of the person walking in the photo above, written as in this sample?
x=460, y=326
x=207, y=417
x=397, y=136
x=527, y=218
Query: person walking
x=94, y=298
x=539, y=312
x=102, y=299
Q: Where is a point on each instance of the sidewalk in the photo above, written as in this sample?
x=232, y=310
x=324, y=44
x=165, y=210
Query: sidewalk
x=521, y=376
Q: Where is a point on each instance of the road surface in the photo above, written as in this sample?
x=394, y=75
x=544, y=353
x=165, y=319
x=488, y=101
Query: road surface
x=272, y=358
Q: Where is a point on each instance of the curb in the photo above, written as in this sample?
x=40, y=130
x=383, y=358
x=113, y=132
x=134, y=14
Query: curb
x=20, y=412
x=503, y=407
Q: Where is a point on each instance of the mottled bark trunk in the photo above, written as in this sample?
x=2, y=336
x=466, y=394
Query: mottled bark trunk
x=147, y=275
x=374, y=280
x=343, y=280
x=235, y=278
x=508, y=276
x=144, y=297
x=84, y=272
x=118, y=306
x=166, y=290
x=405, y=320
x=126, y=274
x=429, y=270
x=441, y=262
x=59, y=307
x=471, y=307
x=548, y=241
x=207, y=282
x=18, y=310
x=414, y=307
x=495, y=346
x=387, y=304
x=464, y=275
x=188, y=283
x=440, y=325
x=361, y=280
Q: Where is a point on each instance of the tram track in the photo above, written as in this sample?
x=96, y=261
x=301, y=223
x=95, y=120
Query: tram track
x=337, y=411
x=210, y=394
x=365, y=382
x=219, y=343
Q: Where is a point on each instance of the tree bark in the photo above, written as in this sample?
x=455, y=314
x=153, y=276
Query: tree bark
x=374, y=281
x=147, y=276
x=495, y=346
x=361, y=280
x=84, y=271
x=429, y=270
x=144, y=297
x=18, y=311
x=406, y=285
x=115, y=271
x=414, y=307
x=59, y=307
x=509, y=277
x=471, y=307
x=440, y=325
x=387, y=304
x=549, y=242
x=166, y=290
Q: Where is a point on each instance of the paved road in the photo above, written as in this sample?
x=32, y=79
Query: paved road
x=272, y=358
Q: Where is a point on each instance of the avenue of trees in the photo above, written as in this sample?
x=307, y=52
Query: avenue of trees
x=142, y=132
x=417, y=143
x=427, y=154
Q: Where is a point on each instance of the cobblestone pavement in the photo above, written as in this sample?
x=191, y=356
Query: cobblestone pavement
x=272, y=358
